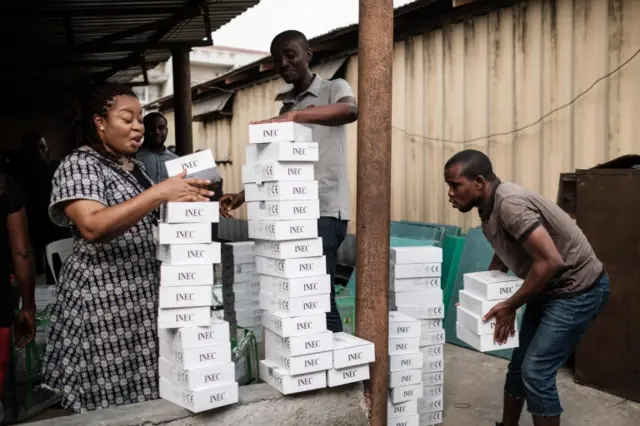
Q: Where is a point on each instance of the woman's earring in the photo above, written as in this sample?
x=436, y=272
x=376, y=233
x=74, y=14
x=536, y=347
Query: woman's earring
x=102, y=128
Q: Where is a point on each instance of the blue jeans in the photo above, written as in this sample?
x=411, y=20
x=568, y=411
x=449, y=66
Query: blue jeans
x=332, y=231
x=550, y=330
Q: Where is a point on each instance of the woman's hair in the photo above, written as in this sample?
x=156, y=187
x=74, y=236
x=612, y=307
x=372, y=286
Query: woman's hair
x=89, y=103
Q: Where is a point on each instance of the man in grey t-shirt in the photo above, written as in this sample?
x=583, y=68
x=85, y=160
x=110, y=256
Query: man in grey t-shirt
x=326, y=107
x=153, y=153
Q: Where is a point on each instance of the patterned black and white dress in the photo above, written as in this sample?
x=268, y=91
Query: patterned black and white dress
x=102, y=348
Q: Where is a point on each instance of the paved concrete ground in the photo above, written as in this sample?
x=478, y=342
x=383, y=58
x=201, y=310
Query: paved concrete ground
x=473, y=395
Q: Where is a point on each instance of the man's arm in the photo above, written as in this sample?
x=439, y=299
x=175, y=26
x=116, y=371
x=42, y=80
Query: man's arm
x=524, y=224
x=343, y=112
x=22, y=258
x=342, y=108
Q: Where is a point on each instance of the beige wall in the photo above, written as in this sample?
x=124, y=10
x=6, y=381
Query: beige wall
x=489, y=75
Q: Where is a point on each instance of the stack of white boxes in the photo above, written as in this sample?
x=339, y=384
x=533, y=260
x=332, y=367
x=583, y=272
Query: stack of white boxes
x=405, y=369
x=241, y=287
x=196, y=371
x=482, y=291
x=351, y=358
x=283, y=211
x=415, y=291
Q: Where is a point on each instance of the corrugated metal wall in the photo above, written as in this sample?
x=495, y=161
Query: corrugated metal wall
x=455, y=86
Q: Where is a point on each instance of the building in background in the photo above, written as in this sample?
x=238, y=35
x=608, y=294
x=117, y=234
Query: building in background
x=207, y=63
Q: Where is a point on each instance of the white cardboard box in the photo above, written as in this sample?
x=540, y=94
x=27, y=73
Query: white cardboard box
x=431, y=338
x=184, y=317
x=413, y=284
x=300, y=345
x=193, y=212
x=432, y=378
x=430, y=405
x=239, y=258
x=296, y=287
x=301, y=364
x=279, y=132
x=431, y=296
x=339, y=377
x=287, y=384
x=474, y=323
x=350, y=351
x=431, y=325
x=424, y=254
x=297, y=326
x=413, y=420
x=296, y=306
x=195, y=163
x=403, y=409
x=407, y=361
x=248, y=290
x=404, y=345
x=430, y=419
x=189, y=254
x=204, y=356
x=283, y=210
x=484, y=343
x=433, y=364
x=292, y=268
x=402, y=325
x=201, y=400
x=289, y=249
x=240, y=247
x=197, y=378
x=184, y=233
x=475, y=305
x=297, y=152
x=491, y=285
x=430, y=311
x=195, y=337
x=432, y=392
x=186, y=275
x=432, y=351
x=405, y=378
x=283, y=230
x=286, y=190
x=243, y=268
x=415, y=270
x=274, y=171
x=185, y=297
x=405, y=393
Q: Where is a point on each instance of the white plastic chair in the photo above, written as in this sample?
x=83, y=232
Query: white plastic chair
x=63, y=249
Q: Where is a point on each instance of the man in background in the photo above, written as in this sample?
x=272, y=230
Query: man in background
x=326, y=107
x=36, y=174
x=14, y=249
x=565, y=285
x=153, y=153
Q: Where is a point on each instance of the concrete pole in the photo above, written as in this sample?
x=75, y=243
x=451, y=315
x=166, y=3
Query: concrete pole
x=182, y=100
x=375, y=63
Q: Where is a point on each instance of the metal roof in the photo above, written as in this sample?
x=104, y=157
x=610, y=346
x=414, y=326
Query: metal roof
x=50, y=44
x=409, y=20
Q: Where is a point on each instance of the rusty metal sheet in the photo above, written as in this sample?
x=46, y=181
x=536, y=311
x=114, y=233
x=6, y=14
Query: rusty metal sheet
x=608, y=357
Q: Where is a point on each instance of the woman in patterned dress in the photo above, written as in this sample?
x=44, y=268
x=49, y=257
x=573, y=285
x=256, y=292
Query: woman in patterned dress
x=102, y=348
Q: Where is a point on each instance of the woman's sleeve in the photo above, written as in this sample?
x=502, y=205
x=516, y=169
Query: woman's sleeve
x=79, y=177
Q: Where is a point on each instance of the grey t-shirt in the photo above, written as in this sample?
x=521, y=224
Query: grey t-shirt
x=514, y=213
x=154, y=163
x=331, y=169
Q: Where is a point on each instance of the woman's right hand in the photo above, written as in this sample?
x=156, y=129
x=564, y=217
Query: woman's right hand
x=179, y=188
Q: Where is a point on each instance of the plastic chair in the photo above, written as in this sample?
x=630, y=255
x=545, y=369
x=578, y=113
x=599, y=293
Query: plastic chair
x=63, y=249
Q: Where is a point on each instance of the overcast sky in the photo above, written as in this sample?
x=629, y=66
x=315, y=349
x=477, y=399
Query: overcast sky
x=256, y=27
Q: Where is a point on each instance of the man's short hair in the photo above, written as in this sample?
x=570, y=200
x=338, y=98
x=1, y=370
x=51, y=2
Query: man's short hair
x=289, y=35
x=474, y=163
x=152, y=116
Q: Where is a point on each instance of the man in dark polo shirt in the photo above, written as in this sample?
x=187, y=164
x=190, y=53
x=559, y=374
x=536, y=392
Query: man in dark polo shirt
x=564, y=287
x=326, y=107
